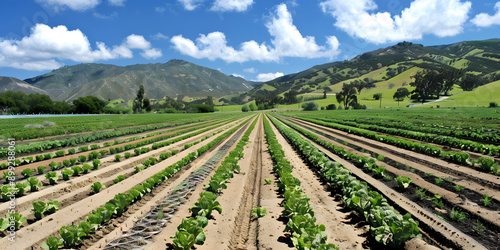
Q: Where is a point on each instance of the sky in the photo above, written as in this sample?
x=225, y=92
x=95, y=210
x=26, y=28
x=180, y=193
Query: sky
x=255, y=39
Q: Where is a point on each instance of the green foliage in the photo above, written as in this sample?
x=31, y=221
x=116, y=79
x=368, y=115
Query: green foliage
x=119, y=178
x=438, y=202
x=96, y=187
x=245, y=108
x=205, y=205
x=66, y=163
x=67, y=173
x=71, y=235
x=53, y=243
x=458, y=215
x=27, y=172
x=403, y=182
x=18, y=219
x=421, y=193
x=487, y=200
x=76, y=170
x=96, y=163
x=52, y=177
x=82, y=158
x=268, y=181
x=117, y=158
x=34, y=183
x=458, y=187
x=479, y=227
x=71, y=151
x=41, y=208
x=86, y=168
x=60, y=153
x=40, y=169
x=310, y=106
x=127, y=155
x=259, y=212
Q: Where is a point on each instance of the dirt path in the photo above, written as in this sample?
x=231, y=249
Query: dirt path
x=33, y=234
x=338, y=229
x=161, y=239
x=430, y=223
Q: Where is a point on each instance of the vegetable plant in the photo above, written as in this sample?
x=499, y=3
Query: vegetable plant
x=479, y=227
x=40, y=169
x=438, y=181
x=53, y=243
x=421, y=193
x=66, y=173
x=119, y=178
x=117, y=158
x=18, y=219
x=403, y=182
x=52, y=177
x=437, y=200
x=458, y=187
x=41, y=208
x=259, y=212
x=21, y=187
x=71, y=151
x=96, y=163
x=66, y=163
x=86, y=168
x=34, y=183
x=205, y=205
x=458, y=215
x=268, y=181
x=27, y=172
x=71, y=235
x=127, y=155
x=103, y=152
x=96, y=187
x=76, y=170
x=486, y=200
x=82, y=158
x=60, y=153
x=72, y=161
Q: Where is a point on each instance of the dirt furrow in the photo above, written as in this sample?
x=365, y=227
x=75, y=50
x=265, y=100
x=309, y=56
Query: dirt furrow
x=436, y=227
x=338, y=228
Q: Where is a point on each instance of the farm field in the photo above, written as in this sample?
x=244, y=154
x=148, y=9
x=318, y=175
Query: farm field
x=342, y=179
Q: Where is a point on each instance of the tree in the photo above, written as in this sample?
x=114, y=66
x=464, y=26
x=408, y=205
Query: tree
x=331, y=107
x=377, y=96
x=359, y=85
x=291, y=96
x=450, y=78
x=138, y=104
x=425, y=84
x=348, y=95
x=210, y=101
x=470, y=82
x=244, y=108
x=252, y=106
x=326, y=90
x=89, y=105
x=401, y=94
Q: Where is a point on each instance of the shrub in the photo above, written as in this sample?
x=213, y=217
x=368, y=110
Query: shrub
x=331, y=107
x=493, y=105
x=377, y=96
x=310, y=106
x=245, y=108
x=71, y=151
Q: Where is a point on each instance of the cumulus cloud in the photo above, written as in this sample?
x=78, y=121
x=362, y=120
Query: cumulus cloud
x=117, y=2
x=190, y=4
x=485, y=20
x=78, y=5
x=151, y=53
x=231, y=5
x=159, y=36
x=249, y=70
x=46, y=46
x=287, y=42
x=264, y=77
x=438, y=17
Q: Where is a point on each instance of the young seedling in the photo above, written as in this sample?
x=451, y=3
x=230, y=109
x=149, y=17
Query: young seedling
x=421, y=193
x=96, y=187
x=268, y=181
x=458, y=215
x=458, y=188
x=438, y=201
x=486, y=200
x=438, y=181
x=479, y=227
x=259, y=212
x=86, y=168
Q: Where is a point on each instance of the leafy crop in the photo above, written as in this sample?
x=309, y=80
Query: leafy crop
x=259, y=212
x=41, y=208
x=403, y=182
x=96, y=187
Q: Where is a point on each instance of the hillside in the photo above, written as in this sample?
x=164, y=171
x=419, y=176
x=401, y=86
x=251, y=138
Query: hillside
x=391, y=67
x=109, y=82
x=14, y=84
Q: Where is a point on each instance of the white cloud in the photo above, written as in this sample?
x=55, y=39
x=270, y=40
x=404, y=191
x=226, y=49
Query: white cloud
x=249, y=70
x=485, y=20
x=159, y=36
x=438, y=17
x=46, y=46
x=231, y=5
x=151, y=53
x=137, y=42
x=287, y=42
x=78, y=5
x=264, y=77
x=190, y=4
x=160, y=9
x=117, y=2
x=238, y=75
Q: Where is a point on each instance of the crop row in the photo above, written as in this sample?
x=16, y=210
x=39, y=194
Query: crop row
x=85, y=138
x=427, y=128
x=73, y=235
x=426, y=137
x=190, y=231
x=306, y=234
x=52, y=176
x=387, y=226
x=486, y=164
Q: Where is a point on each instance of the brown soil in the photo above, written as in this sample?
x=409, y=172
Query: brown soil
x=34, y=233
x=429, y=221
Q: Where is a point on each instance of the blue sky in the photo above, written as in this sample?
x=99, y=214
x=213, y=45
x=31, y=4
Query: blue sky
x=256, y=39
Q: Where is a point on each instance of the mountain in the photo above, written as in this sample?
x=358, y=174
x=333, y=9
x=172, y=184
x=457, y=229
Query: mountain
x=391, y=65
x=109, y=82
x=14, y=84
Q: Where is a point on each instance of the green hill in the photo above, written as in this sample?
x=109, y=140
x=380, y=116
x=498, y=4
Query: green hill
x=110, y=82
x=14, y=84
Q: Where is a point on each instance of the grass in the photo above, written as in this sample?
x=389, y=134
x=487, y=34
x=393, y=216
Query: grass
x=479, y=97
